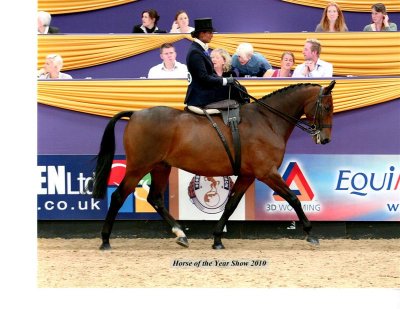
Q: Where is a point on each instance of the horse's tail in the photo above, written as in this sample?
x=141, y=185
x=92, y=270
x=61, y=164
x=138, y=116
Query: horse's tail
x=106, y=156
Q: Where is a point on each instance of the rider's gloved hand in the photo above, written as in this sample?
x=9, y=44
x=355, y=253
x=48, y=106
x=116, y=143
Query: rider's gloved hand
x=229, y=81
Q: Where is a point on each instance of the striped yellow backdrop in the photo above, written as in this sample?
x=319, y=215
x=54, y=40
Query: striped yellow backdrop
x=107, y=97
x=75, y=6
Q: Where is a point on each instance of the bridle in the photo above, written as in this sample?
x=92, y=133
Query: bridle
x=312, y=129
x=317, y=125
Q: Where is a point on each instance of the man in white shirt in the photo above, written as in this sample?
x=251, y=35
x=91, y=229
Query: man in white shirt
x=169, y=68
x=313, y=66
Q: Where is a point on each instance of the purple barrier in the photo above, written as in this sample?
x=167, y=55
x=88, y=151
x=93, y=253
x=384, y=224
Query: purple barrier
x=228, y=16
x=370, y=130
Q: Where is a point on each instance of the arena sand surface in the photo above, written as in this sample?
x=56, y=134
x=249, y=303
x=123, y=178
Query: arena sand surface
x=291, y=263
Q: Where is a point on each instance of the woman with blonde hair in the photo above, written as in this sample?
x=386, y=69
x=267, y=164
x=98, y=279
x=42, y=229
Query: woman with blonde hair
x=222, y=63
x=332, y=19
x=222, y=67
x=52, y=68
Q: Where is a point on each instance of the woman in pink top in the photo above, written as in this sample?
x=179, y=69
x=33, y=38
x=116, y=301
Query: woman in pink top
x=287, y=61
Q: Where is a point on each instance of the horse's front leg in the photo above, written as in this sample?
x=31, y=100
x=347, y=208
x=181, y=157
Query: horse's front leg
x=238, y=190
x=277, y=184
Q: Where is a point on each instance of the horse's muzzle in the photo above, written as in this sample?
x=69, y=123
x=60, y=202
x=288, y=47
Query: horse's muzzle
x=318, y=139
x=325, y=141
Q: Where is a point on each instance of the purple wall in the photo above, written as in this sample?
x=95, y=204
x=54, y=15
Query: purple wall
x=370, y=130
x=228, y=16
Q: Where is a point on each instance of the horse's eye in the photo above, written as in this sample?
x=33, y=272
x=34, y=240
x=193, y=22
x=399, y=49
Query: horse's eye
x=327, y=108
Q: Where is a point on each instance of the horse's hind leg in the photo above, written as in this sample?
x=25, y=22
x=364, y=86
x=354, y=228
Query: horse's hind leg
x=276, y=183
x=159, y=181
x=238, y=190
x=118, y=198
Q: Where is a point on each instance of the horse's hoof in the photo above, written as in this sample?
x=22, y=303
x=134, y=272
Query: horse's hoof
x=182, y=241
x=105, y=246
x=313, y=241
x=218, y=246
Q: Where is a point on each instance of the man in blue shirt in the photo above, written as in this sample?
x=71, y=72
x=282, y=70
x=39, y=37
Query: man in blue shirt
x=248, y=62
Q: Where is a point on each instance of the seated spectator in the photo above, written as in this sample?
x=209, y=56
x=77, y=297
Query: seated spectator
x=380, y=19
x=169, y=68
x=222, y=63
x=181, y=23
x=332, y=19
x=287, y=61
x=249, y=63
x=52, y=68
x=150, y=19
x=222, y=67
x=44, y=20
x=313, y=65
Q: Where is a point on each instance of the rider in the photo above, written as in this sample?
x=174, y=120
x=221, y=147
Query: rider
x=205, y=86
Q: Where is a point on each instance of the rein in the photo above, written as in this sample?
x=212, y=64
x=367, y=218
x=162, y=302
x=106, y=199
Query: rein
x=312, y=129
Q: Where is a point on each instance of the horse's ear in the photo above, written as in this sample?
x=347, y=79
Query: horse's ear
x=328, y=90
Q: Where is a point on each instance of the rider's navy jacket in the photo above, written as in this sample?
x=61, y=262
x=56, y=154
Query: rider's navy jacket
x=205, y=86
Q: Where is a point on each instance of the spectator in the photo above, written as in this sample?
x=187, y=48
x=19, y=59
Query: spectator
x=222, y=66
x=205, y=86
x=222, y=63
x=150, y=19
x=332, y=19
x=52, y=68
x=249, y=63
x=181, y=23
x=313, y=65
x=169, y=68
x=44, y=20
x=287, y=61
x=380, y=19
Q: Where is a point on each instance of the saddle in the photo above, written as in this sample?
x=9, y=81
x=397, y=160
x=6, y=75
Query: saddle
x=229, y=109
x=230, y=112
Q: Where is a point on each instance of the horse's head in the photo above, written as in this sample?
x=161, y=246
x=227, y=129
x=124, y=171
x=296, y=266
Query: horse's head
x=321, y=115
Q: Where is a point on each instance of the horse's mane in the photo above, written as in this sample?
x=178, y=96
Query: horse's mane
x=285, y=89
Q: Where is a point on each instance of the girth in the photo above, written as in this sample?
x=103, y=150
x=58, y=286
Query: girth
x=230, y=111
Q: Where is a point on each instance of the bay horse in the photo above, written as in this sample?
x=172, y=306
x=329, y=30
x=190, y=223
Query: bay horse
x=157, y=138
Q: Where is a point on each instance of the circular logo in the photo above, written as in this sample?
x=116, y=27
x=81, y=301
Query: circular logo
x=210, y=194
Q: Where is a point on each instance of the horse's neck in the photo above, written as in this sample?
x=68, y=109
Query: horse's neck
x=291, y=105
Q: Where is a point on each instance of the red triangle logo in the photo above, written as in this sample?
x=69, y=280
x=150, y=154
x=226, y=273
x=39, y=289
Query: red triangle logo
x=294, y=174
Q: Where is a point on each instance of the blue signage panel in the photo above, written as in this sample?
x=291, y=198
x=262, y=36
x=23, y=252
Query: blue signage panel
x=64, y=192
x=335, y=188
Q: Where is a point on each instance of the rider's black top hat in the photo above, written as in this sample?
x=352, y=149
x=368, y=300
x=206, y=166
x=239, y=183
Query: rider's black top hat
x=203, y=24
